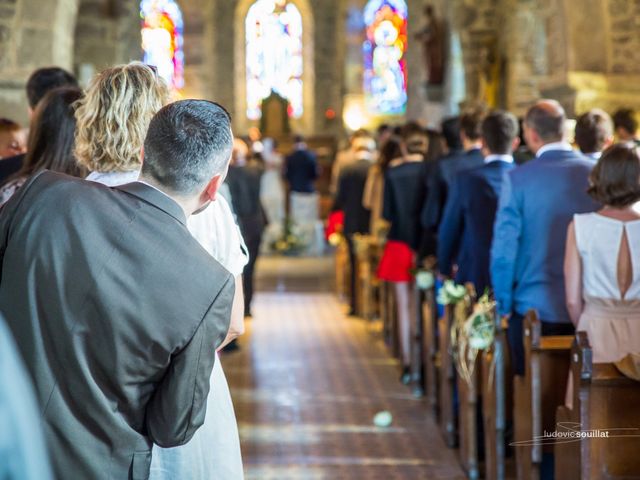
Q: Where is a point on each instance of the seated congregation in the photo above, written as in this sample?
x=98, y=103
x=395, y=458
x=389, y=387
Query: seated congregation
x=505, y=272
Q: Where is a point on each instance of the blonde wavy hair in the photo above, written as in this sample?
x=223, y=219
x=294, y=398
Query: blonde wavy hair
x=113, y=117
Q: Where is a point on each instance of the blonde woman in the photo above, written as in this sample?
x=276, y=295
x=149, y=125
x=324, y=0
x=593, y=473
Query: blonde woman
x=112, y=120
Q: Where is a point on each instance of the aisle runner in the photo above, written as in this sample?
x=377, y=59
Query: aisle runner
x=306, y=385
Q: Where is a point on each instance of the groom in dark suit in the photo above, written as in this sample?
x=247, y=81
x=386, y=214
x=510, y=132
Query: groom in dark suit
x=466, y=230
x=115, y=307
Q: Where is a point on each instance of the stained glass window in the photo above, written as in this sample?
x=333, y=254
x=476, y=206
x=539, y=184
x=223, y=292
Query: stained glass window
x=274, y=55
x=162, y=39
x=385, y=69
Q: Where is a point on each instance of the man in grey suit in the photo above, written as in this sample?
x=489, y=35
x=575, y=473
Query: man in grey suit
x=115, y=307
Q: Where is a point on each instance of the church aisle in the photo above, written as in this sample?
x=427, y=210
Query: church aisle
x=306, y=385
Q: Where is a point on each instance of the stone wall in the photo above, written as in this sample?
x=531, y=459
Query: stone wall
x=32, y=34
x=583, y=52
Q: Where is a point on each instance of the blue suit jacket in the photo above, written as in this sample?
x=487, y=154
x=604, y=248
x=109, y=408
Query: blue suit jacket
x=537, y=203
x=466, y=230
x=439, y=183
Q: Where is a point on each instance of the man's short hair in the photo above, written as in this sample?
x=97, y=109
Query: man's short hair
x=471, y=123
x=547, y=119
x=188, y=143
x=625, y=118
x=499, y=130
x=45, y=79
x=451, y=133
x=593, y=129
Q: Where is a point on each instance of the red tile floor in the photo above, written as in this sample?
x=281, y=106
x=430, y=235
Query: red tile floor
x=308, y=381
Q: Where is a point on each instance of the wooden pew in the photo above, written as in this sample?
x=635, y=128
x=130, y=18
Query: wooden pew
x=430, y=348
x=497, y=402
x=366, y=274
x=417, y=343
x=342, y=270
x=538, y=393
x=603, y=399
x=446, y=376
x=469, y=402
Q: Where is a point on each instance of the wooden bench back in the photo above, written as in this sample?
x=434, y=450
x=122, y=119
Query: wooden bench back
x=605, y=400
x=538, y=393
x=497, y=402
x=430, y=349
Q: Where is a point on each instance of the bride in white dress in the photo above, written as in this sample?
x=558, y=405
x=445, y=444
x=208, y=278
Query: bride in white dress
x=123, y=99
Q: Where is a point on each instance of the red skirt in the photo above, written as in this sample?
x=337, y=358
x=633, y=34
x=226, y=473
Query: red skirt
x=396, y=263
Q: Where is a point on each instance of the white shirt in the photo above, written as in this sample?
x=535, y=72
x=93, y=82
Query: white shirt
x=498, y=158
x=214, y=228
x=563, y=146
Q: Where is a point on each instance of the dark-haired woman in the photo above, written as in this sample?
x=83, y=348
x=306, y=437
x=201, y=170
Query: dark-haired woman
x=602, y=271
x=51, y=140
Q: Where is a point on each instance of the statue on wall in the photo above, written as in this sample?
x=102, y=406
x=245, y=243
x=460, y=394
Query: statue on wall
x=491, y=71
x=433, y=38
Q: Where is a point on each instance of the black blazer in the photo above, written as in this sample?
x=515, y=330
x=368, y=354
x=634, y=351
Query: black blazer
x=351, y=184
x=466, y=230
x=404, y=195
x=301, y=171
x=117, y=311
x=9, y=167
x=244, y=185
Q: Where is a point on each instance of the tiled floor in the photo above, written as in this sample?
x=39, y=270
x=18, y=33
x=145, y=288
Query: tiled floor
x=308, y=381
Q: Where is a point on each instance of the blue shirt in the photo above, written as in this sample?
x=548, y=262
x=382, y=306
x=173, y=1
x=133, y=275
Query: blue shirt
x=537, y=202
x=23, y=454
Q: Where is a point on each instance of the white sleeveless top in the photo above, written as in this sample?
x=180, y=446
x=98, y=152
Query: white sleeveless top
x=598, y=240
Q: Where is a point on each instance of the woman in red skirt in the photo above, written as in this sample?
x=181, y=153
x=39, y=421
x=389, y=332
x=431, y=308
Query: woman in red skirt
x=404, y=194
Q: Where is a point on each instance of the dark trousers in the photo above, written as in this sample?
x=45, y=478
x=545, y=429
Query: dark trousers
x=516, y=345
x=253, y=245
x=353, y=275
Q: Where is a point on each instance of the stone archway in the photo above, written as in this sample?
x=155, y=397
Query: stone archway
x=306, y=123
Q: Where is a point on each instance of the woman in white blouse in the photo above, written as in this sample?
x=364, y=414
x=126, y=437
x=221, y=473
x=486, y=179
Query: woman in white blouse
x=112, y=120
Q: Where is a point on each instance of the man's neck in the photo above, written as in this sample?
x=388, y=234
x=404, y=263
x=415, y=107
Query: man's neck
x=188, y=206
x=469, y=145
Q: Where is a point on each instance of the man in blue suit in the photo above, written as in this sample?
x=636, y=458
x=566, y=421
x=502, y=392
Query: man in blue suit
x=537, y=202
x=447, y=167
x=466, y=230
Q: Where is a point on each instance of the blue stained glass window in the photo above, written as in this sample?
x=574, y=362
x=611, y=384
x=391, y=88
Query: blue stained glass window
x=385, y=68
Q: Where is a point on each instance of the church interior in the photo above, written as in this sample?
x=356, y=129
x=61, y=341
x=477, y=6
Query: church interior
x=379, y=343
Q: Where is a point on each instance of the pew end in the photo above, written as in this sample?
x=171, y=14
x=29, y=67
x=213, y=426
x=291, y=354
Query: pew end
x=606, y=402
x=538, y=393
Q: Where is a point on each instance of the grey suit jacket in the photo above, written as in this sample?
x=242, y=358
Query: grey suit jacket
x=117, y=311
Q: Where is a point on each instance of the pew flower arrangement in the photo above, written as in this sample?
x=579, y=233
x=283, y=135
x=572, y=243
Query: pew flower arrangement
x=450, y=293
x=473, y=335
x=291, y=241
x=425, y=279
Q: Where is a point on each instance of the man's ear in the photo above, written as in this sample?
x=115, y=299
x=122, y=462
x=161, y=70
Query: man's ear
x=608, y=142
x=142, y=155
x=485, y=148
x=515, y=144
x=212, y=188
